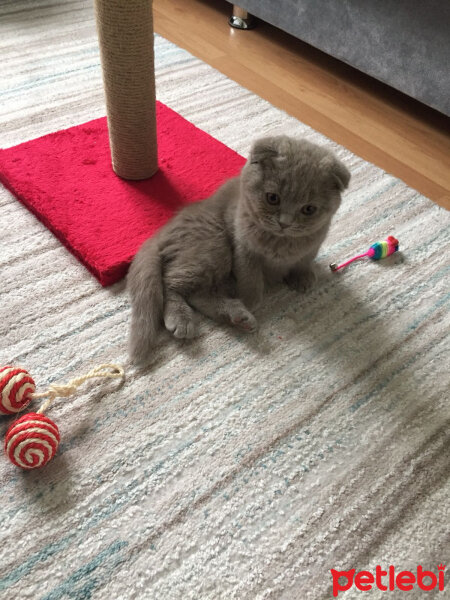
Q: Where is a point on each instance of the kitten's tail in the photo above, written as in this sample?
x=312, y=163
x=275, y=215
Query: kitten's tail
x=145, y=285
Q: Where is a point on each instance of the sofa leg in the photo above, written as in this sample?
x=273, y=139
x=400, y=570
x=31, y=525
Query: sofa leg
x=241, y=19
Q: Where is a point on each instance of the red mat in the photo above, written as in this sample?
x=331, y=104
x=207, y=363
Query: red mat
x=66, y=180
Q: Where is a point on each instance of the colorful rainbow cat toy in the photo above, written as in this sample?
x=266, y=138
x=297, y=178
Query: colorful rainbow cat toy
x=375, y=252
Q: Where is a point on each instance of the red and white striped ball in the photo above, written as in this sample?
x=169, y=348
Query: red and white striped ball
x=16, y=387
x=31, y=441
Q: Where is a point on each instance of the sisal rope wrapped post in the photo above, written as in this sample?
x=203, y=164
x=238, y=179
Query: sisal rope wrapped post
x=125, y=32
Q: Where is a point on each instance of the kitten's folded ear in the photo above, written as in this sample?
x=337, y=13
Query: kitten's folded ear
x=264, y=149
x=339, y=173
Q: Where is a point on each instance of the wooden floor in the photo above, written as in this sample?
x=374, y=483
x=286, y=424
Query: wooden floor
x=377, y=123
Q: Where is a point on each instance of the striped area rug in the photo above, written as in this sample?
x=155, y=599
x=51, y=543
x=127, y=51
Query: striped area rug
x=237, y=467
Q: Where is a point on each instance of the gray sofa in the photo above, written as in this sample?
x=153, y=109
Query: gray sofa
x=404, y=43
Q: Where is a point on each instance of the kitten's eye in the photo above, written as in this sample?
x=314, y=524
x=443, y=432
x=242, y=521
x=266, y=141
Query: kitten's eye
x=273, y=199
x=308, y=209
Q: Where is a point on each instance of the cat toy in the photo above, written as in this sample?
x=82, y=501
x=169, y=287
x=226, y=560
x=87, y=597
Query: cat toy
x=375, y=252
x=33, y=439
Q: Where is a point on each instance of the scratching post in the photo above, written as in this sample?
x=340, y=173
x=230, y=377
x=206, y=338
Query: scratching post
x=125, y=31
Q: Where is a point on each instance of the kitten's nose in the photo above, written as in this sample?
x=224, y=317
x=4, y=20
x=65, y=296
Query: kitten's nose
x=285, y=220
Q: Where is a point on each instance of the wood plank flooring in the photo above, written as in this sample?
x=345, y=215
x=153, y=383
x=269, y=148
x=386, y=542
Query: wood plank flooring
x=383, y=126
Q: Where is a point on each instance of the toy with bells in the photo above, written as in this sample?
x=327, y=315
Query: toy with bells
x=33, y=439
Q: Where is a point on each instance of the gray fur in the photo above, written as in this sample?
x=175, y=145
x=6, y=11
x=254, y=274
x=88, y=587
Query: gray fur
x=215, y=256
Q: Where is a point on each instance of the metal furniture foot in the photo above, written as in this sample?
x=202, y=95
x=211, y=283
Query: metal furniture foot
x=241, y=19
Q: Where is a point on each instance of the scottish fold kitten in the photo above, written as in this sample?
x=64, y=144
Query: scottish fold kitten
x=215, y=256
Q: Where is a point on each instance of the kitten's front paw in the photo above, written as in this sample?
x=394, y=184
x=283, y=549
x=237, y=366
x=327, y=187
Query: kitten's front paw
x=244, y=320
x=301, y=280
x=181, y=326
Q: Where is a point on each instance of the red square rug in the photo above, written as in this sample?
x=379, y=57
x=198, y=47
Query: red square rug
x=66, y=180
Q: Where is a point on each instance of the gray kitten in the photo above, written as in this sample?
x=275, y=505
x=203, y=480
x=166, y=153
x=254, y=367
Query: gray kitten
x=214, y=256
